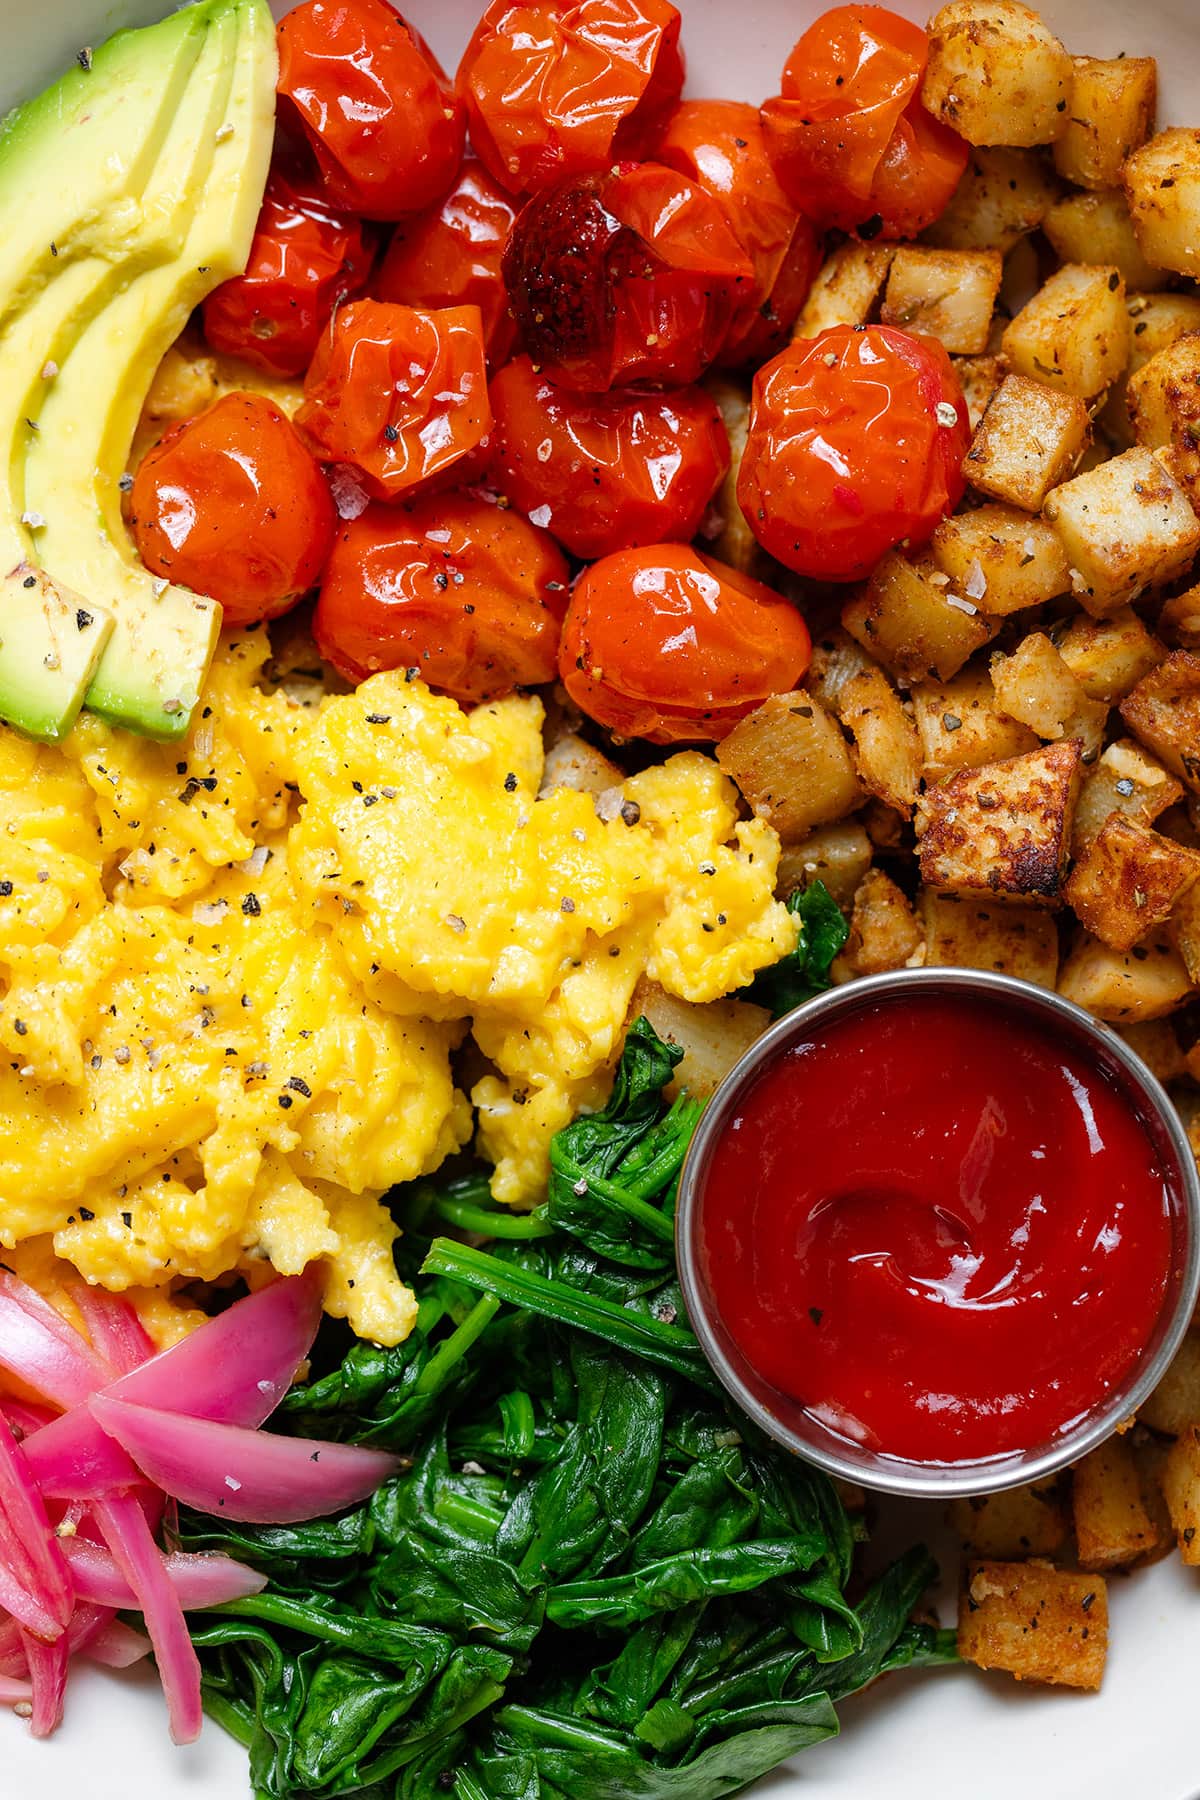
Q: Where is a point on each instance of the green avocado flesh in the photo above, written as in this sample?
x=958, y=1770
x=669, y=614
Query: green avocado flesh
x=148, y=172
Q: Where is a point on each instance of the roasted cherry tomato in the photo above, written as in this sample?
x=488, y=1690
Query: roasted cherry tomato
x=384, y=123
x=398, y=394
x=231, y=504
x=304, y=259
x=627, y=278
x=450, y=256
x=851, y=143
x=856, y=444
x=556, y=90
x=669, y=645
x=720, y=145
x=468, y=594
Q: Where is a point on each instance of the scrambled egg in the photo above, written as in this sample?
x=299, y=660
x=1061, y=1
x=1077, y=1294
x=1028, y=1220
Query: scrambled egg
x=233, y=972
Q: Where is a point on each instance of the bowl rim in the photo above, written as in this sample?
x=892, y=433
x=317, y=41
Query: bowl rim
x=838, y=1456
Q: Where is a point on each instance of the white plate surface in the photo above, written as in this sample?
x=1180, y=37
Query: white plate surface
x=932, y=1737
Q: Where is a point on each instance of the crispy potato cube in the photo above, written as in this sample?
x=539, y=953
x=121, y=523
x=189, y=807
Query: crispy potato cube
x=1003, y=830
x=1111, y=113
x=1175, y=1402
x=883, y=825
x=1109, y=656
x=1030, y=439
x=1125, y=987
x=960, y=726
x=1112, y=1524
x=1159, y=1048
x=1125, y=526
x=847, y=286
x=837, y=855
x=973, y=934
x=712, y=1036
x=1127, y=880
x=978, y=377
x=1003, y=195
x=1097, y=228
x=1000, y=558
x=1162, y=185
x=1179, y=620
x=1163, y=712
x=1124, y=781
x=1164, y=408
x=1021, y=1521
x=836, y=660
x=915, y=627
x=735, y=544
x=1181, y=1489
x=883, y=932
x=1074, y=333
x=1035, y=687
x=1185, y=929
x=947, y=294
x=1156, y=320
x=887, y=751
x=1035, y=1622
x=792, y=764
x=996, y=73
x=571, y=762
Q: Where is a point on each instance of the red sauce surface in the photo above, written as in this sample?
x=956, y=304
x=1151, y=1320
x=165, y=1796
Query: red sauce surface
x=941, y=1231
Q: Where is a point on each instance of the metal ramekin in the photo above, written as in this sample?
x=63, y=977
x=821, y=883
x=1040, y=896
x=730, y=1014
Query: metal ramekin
x=797, y=1430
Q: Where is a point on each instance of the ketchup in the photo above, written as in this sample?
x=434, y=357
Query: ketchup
x=940, y=1230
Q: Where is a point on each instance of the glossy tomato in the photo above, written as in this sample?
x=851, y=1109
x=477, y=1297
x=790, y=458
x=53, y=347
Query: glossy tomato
x=384, y=123
x=604, y=472
x=398, y=394
x=856, y=444
x=304, y=259
x=669, y=645
x=231, y=504
x=556, y=90
x=466, y=593
x=850, y=141
x=720, y=145
x=627, y=278
x=450, y=256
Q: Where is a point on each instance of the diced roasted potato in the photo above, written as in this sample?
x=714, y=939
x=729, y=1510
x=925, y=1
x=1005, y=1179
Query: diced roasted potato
x=1156, y=320
x=792, y=764
x=1021, y=1521
x=1179, y=620
x=915, y=627
x=1159, y=1048
x=1097, y=228
x=1111, y=113
x=1147, y=982
x=1003, y=830
x=996, y=73
x=961, y=727
x=1109, y=656
x=1181, y=1488
x=1003, y=195
x=883, y=932
x=1185, y=929
x=1113, y=1526
x=571, y=762
x=1162, y=185
x=837, y=855
x=975, y=934
x=712, y=1037
x=1127, y=880
x=887, y=750
x=1175, y=1402
x=883, y=825
x=1125, y=526
x=1124, y=781
x=1164, y=408
x=1035, y=1622
x=1030, y=439
x=978, y=377
x=836, y=659
x=1035, y=687
x=1163, y=712
x=947, y=294
x=1074, y=333
x=846, y=289
x=736, y=544
x=1001, y=559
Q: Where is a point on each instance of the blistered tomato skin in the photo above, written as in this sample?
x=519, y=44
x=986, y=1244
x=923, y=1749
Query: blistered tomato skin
x=231, y=504
x=450, y=255
x=466, y=593
x=605, y=472
x=720, y=145
x=630, y=278
x=304, y=259
x=850, y=142
x=553, y=91
x=398, y=394
x=671, y=646
x=380, y=115
x=856, y=444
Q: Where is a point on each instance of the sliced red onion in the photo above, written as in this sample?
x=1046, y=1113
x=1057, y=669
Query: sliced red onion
x=200, y=1580
x=125, y=1531
x=115, y=1645
x=40, y=1348
x=72, y=1459
x=48, y=1680
x=36, y=1559
x=117, y=1333
x=24, y=1417
x=14, y=1692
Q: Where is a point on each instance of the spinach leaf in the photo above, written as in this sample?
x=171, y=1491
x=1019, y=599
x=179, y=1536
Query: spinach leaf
x=804, y=973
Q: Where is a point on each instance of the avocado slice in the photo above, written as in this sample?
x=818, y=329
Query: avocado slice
x=208, y=183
